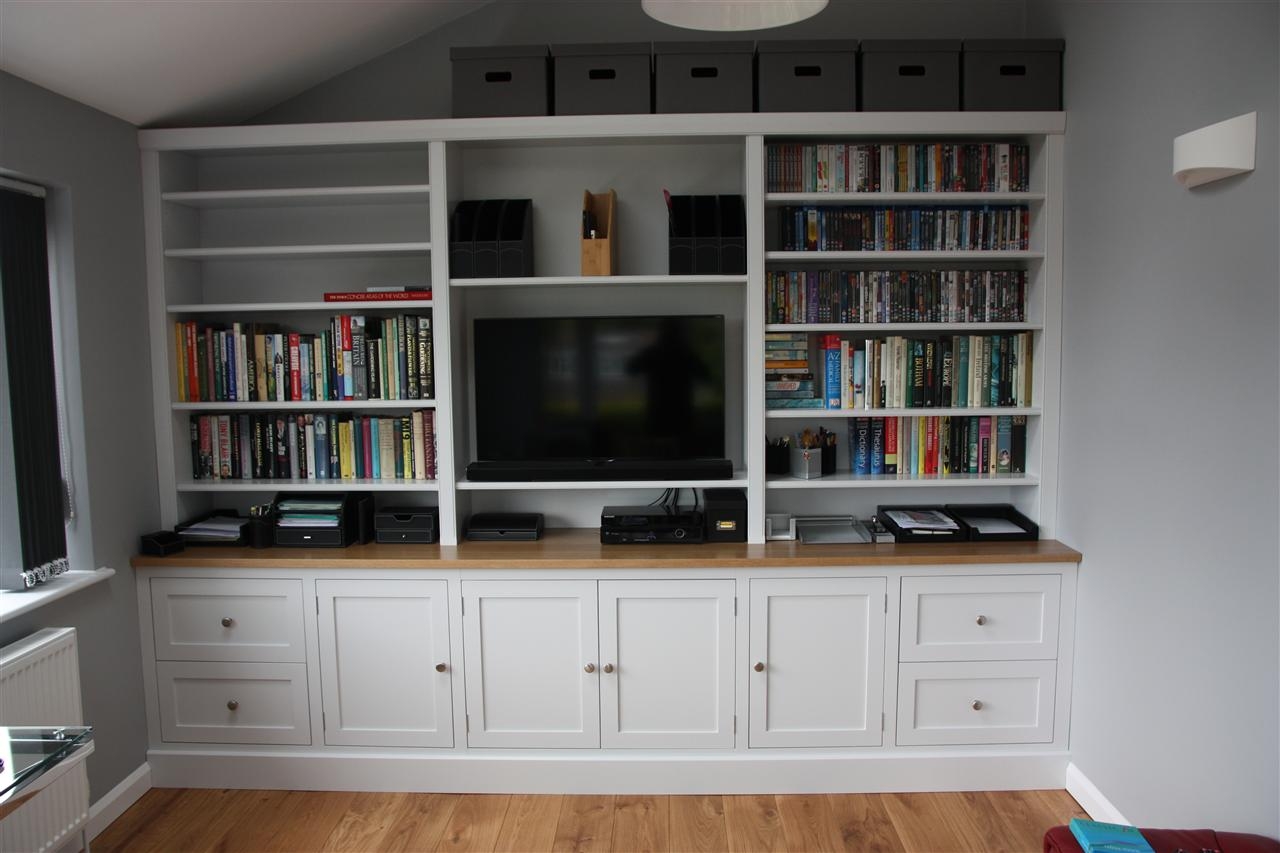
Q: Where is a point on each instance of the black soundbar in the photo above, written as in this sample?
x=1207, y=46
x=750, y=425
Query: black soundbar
x=585, y=470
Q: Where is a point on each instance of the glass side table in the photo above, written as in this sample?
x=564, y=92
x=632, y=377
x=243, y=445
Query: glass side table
x=32, y=758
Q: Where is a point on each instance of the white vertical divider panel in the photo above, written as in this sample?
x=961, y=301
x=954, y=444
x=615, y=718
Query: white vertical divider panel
x=158, y=317
x=1051, y=364
x=753, y=340
x=442, y=329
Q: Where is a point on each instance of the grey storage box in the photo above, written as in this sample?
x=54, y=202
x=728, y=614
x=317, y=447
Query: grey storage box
x=501, y=81
x=602, y=79
x=704, y=77
x=910, y=75
x=1013, y=74
x=807, y=76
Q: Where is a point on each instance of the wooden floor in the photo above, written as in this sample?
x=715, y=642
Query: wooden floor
x=178, y=819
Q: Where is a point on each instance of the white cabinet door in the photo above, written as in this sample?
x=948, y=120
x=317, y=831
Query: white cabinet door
x=384, y=662
x=531, y=668
x=666, y=655
x=816, y=667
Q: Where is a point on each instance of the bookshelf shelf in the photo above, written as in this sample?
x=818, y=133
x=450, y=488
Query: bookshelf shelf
x=847, y=480
x=301, y=196
x=305, y=406
x=328, y=250
x=793, y=414
x=294, y=307
x=918, y=198
x=903, y=256
x=298, y=484
x=739, y=481
x=598, y=281
x=904, y=327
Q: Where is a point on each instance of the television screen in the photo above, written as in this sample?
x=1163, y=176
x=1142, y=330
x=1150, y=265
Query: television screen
x=599, y=388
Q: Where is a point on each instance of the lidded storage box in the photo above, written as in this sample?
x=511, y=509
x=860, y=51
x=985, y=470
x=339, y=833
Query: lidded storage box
x=1013, y=74
x=704, y=77
x=602, y=79
x=910, y=75
x=807, y=76
x=501, y=81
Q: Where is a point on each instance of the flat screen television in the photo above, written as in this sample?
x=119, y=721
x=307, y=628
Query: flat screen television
x=607, y=398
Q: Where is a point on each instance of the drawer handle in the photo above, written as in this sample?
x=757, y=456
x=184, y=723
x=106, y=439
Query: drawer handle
x=977, y=705
x=981, y=620
x=440, y=667
x=759, y=667
x=608, y=667
x=227, y=621
x=589, y=668
x=232, y=704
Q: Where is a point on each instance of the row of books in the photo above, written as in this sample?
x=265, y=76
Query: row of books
x=356, y=358
x=904, y=228
x=896, y=296
x=938, y=446
x=949, y=371
x=840, y=167
x=317, y=446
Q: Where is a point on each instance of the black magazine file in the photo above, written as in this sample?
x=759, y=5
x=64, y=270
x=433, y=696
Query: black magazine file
x=733, y=235
x=515, y=239
x=484, y=240
x=462, y=228
x=680, y=249
x=708, y=235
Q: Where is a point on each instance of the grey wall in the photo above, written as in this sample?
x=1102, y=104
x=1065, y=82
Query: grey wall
x=91, y=162
x=1169, y=429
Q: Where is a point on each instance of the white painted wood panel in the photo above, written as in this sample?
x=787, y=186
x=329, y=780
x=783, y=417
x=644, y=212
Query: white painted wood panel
x=385, y=668
x=224, y=619
x=816, y=666
x=207, y=702
x=528, y=645
x=667, y=657
x=978, y=702
x=987, y=617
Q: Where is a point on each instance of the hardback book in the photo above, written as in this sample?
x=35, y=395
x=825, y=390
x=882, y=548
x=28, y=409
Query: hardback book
x=426, y=358
x=1098, y=837
x=411, y=356
x=378, y=295
x=359, y=371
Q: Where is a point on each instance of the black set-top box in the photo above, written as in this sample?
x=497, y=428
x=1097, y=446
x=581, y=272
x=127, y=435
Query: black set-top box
x=417, y=525
x=633, y=525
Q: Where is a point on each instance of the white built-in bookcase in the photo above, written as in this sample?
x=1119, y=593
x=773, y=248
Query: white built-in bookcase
x=257, y=223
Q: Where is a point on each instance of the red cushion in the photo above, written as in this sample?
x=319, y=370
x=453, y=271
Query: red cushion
x=1060, y=840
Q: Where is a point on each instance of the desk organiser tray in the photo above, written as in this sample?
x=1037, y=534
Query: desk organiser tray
x=902, y=533
x=353, y=513
x=993, y=523
x=228, y=514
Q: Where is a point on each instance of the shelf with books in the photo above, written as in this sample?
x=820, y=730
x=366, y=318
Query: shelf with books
x=201, y=308
x=300, y=196
x=363, y=484
x=904, y=255
x=305, y=405
x=849, y=480
x=328, y=250
x=600, y=281
x=990, y=326
x=779, y=199
x=985, y=411
x=738, y=481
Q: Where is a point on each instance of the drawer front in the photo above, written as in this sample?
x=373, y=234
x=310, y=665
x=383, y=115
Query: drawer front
x=987, y=617
x=982, y=702
x=233, y=702
x=228, y=619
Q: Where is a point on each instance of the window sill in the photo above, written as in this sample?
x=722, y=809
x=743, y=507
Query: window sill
x=17, y=603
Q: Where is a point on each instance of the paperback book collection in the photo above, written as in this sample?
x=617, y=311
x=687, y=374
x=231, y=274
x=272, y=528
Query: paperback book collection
x=938, y=446
x=844, y=228
x=356, y=358
x=837, y=167
x=896, y=372
x=320, y=446
x=896, y=296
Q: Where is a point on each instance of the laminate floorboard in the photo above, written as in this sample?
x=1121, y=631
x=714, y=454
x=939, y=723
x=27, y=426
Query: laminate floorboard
x=249, y=821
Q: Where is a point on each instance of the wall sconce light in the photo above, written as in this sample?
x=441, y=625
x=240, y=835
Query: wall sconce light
x=1215, y=152
x=731, y=15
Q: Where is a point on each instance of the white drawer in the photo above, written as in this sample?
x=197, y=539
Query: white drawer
x=978, y=702
x=228, y=619
x=233, y=702
x=982, y=617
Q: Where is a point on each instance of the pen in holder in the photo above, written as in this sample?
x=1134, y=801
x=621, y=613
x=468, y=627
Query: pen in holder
x=259, y=530
x=599, y=238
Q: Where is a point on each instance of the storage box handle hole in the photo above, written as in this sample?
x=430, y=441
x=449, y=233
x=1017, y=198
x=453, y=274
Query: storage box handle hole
x=910, y=70
x=602, y=74
x=704, y=71
x=808, y=70
x=1013, y=71
x=497, y=76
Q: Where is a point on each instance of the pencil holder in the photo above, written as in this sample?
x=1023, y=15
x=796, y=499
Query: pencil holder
x=599, y=238
x=777, y=459
x=828, y=460
x=806, y=462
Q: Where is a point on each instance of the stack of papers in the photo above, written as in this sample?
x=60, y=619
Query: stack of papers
x=922, y=519
x=216, y=529
x=309, y=512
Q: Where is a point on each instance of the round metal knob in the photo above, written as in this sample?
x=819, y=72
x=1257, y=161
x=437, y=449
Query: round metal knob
x=977, y=705
x=589, y=668
x=759, y=667
x=227, y=621
x=440, y=667
x=232, y=704
x=608, y=667
x=981, y=620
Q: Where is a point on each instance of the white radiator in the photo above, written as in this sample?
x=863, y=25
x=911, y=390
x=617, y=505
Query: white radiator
x=40, y=686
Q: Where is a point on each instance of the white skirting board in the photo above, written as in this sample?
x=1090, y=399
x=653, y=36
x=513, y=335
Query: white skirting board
x=700, y=774
x=117, y=801
x=1090, y=798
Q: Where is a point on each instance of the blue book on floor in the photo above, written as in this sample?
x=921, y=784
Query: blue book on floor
x=1097, y=837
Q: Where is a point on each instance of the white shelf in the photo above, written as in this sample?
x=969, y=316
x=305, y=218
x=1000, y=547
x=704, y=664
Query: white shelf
x=299, y=484
x=904, y=327
x=290, y=307
x=301, y=196
x=739, y=481
x=597, y=280
x=304, y=405
x=328, y=250
x=898, y=413
x=14, y=603
x=904, y=256
x=848, y=480
x=921, y=198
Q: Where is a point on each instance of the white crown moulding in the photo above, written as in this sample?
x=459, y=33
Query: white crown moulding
x=1215, y=152
x=731, y=15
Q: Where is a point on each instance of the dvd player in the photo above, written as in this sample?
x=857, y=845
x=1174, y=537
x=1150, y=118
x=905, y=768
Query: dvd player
x=628, y=525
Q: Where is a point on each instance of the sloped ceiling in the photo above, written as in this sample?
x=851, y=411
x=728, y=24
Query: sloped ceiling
x=167, y=62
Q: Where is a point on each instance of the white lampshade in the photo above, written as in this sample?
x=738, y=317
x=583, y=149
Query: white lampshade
x=1215, y=152
x=731, y=15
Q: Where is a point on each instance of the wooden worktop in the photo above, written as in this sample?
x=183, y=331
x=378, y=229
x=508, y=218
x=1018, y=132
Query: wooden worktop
x=581, y=549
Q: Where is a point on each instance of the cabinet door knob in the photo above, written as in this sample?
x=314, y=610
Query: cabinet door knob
x=759, y=667
x=608, y=667
x=976, y=705
x=227, y=621
x=981, y=620
x=232, y=704
x=440, y=667
x=589, y=668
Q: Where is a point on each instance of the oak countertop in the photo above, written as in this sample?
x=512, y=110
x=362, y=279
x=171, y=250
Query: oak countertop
x=581, y=549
